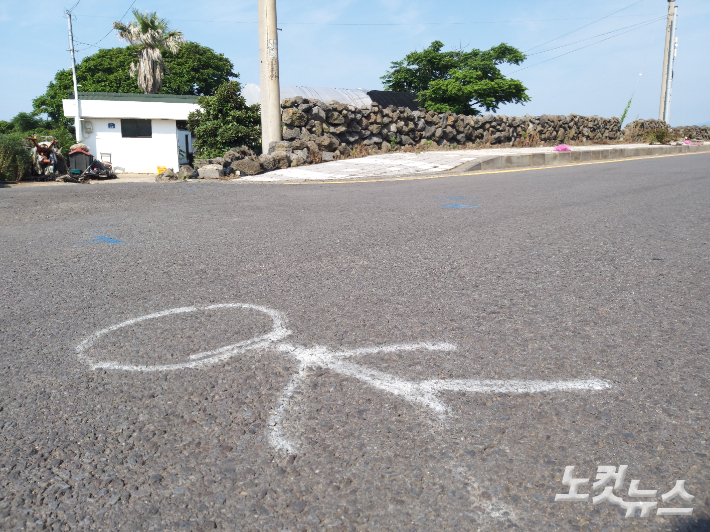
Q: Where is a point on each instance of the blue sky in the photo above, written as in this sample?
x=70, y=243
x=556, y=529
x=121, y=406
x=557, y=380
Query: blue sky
x=350, y=44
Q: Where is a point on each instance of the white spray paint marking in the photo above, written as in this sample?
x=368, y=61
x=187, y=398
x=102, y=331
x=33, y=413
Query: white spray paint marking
x=424, y=393
x=513, y=386
x=278, y=332
x=277, y=435
x=83, y=346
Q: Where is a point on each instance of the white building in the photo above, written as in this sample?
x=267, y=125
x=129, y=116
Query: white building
x=136, y=133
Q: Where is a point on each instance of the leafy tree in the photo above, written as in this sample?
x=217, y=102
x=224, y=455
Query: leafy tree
x=25, y=123
x=225, y=121
x=153, y=37
x=457, y=80
x=195, y=70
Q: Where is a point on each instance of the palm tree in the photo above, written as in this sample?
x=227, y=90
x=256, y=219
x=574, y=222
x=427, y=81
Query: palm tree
x=153, y=37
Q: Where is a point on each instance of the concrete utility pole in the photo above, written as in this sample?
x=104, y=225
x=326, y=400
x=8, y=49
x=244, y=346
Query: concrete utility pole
x=77, y=118
x=668, y=60
x=269, y=70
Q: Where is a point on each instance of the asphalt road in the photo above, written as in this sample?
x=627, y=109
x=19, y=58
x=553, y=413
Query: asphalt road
x=396, y=352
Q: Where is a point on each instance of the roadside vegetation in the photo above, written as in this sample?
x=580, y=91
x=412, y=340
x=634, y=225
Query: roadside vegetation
x=662, y=135
x=626, y=111
x=225, y=121
x=15, y=158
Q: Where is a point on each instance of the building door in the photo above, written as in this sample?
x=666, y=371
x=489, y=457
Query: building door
x=184, y=146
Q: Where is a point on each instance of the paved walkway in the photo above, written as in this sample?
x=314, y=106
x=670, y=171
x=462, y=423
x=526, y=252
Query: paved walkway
x=372, y=167
x=401, y=164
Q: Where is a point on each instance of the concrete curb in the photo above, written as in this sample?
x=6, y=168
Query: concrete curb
x=501, y=162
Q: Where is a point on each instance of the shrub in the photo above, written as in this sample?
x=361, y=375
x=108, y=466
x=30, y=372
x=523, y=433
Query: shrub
x=528, y=140
x=15, y=158
x=225, y=121
x=662, y=135
x=25, y=125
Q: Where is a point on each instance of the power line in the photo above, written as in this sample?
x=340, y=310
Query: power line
x=643, y=68
x=109, y=31
x=599, y=35
x=383, y=23
x=587, y=46
x=585, y=26
x=72, y=8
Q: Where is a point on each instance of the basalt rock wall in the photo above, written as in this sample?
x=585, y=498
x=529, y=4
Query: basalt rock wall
x=638, y=128
x=309, y=120
x=694, y=132
x=314, y=131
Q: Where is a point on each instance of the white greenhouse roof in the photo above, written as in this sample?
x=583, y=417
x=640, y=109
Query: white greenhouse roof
x=356, y=97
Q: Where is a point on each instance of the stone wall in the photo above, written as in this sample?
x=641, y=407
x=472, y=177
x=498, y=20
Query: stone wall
x=315, y=131
x=643, y=126
x=635, y=130
x=694, y=132
x=310, y=121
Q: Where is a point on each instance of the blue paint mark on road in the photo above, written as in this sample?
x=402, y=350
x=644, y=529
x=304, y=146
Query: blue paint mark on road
x=459, y=206
x=458, y=202
x=106, y=239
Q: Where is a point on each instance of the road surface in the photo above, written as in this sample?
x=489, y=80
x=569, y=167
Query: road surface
x=411, y=355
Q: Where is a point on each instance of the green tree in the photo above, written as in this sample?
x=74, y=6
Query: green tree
x=25, y=123
x=225, y=121
x=457, y=81
x=195, y=70
x=153, y=38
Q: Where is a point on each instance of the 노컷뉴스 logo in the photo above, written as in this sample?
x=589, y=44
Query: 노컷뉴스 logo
x=606, y=475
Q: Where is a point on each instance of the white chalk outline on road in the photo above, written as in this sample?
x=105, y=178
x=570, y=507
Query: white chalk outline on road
x=424, y=393
x=200, y=359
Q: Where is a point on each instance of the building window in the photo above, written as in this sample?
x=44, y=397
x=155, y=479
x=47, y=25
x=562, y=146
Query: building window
x=142, y=129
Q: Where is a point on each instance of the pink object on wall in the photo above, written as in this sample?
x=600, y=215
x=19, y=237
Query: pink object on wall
x=563, y=147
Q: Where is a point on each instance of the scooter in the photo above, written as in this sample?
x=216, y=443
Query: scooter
x=97, y=169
